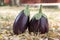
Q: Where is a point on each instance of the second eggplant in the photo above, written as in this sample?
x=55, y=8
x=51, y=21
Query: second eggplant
x=39, y=23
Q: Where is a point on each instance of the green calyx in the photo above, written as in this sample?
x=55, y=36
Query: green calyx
x=40, y=14
x=27, y=11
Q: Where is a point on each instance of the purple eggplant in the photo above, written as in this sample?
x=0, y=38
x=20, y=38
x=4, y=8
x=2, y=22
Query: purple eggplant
x=21, y=22
x=39, y=23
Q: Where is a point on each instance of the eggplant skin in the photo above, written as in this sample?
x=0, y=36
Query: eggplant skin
x=43, y=28
x=33, y=26
x=40, y=25
x=20, y=23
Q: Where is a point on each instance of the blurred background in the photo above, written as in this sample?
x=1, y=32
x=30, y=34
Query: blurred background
x=18, y=2
x=9, y=9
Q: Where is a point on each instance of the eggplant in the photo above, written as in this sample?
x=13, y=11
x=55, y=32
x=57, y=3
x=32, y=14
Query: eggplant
x=21, y=22
x=39, y=23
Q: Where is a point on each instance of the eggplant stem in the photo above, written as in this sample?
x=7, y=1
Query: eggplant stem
x=27, y=11
x=40, y=10
x=27, y=7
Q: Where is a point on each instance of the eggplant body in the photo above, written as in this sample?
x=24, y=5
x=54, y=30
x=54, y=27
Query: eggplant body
x=38, y=26
x=20, y=23
x=43, y=26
